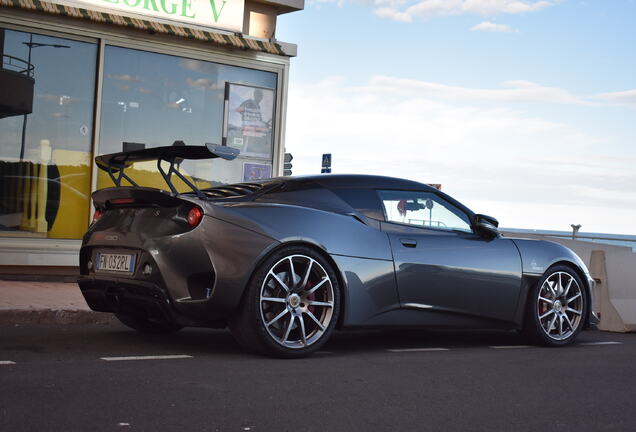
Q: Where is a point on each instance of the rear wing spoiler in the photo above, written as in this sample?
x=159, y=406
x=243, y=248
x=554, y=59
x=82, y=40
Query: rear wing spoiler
x=115, y=164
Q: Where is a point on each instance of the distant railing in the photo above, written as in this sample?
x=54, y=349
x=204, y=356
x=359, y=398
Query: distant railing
x=17, y=65
x=627, y=241
x=585, y=237
x=431, y=223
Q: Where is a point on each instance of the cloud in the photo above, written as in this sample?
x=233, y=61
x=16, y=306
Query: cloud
x=425, y=9
x=627, y=97
x=429, y=8
x=488, y=26
x=204, y=83
x=393, y=14
x=199, y=66
x=58, y=115
x=124, y=77
x=409, y=10
x=530, y=171
x=513, y=91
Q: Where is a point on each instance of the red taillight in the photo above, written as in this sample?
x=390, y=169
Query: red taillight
x=97, y=215
x=194, y=216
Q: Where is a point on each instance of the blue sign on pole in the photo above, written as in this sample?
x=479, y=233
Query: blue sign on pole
x=326, y=163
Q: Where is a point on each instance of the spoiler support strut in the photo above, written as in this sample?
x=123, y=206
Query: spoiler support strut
x=121, y=174
x=116, y=163
x=167, y=177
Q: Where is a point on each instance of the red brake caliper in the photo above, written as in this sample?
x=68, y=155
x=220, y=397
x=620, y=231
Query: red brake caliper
x=311, y=297
x=543, y=308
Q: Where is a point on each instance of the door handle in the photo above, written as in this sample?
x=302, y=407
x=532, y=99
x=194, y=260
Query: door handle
x=409, y=243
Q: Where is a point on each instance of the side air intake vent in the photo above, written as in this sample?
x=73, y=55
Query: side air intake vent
x=233, y=190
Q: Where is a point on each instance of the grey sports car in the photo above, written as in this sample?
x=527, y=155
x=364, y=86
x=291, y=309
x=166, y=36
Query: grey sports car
x=285, y=261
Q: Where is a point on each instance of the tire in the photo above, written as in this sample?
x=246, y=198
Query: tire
x=144, y=325
x=291, y=305
x=556, y=308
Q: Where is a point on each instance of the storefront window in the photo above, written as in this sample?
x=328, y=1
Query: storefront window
x=151, y=100
x=45, y=149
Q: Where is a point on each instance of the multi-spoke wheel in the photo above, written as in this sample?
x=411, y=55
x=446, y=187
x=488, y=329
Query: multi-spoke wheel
x=557, y=307
x=291, y=305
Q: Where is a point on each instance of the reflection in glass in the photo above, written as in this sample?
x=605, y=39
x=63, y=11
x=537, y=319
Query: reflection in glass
x=45, y=156
x=249, y=119
x=423, y=209
x=157, y=99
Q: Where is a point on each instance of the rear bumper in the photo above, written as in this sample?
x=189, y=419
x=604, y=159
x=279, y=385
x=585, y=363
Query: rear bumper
x=122, y=296
x=138, y=298
x=196, y=278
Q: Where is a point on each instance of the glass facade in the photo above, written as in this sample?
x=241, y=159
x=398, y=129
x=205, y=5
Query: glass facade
x=147, y=99
x=155, y=99
x=45, y=156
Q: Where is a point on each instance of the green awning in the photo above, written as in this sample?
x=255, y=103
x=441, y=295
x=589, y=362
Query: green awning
x=227, y=40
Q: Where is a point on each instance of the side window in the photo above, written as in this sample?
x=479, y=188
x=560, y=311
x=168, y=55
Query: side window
x=423, y=209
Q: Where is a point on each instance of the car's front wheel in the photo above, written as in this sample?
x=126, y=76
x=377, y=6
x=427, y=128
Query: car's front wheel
x=291, y=305
x=557, y=307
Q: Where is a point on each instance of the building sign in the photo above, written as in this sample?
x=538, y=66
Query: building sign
x=256, y=171
x=326, y=164
x=222, y=14
x=248, y=117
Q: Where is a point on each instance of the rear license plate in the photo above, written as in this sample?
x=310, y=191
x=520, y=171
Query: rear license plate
x=123, y=263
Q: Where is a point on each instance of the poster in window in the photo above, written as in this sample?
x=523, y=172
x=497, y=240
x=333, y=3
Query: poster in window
x=248, y=120
x=256, y=171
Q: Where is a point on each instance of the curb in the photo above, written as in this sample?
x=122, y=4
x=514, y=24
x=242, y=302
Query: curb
x=54, y=316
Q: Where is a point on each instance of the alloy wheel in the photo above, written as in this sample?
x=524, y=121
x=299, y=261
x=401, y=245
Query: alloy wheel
x=296, y=301
x=560, y=306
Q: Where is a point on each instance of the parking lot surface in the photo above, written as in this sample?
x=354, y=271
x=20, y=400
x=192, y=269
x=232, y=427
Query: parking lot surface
x=106, y=377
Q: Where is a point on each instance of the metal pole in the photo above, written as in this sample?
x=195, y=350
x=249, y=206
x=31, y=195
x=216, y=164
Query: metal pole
x=24, y=119
x=1, y=43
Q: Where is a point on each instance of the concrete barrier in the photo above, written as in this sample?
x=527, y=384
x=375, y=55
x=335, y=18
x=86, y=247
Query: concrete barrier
x=614, y=269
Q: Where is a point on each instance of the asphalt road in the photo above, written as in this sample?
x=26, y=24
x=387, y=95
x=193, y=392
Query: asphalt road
x=53, y=378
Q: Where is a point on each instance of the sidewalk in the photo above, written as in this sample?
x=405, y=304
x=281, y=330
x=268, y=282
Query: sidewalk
x=45, y=303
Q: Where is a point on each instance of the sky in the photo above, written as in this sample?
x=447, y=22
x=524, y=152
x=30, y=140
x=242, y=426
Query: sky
x=523, y=110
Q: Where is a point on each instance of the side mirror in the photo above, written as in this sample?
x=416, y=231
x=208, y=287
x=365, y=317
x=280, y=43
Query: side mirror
x=486, y=226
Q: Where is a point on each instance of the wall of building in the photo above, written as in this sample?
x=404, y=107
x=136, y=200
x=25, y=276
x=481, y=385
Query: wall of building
x=100, y=86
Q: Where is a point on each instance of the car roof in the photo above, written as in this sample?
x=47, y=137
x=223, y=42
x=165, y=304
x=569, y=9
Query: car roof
x=365, y=181
x=356, y=181
x=360, y=181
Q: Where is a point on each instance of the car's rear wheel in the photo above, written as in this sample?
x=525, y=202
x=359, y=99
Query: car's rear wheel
x=291, y=305
x=556, y=308
x=145, y=325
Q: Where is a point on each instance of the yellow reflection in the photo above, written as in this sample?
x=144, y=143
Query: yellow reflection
x=48, y=197
x=71, y=220
x=146, y=174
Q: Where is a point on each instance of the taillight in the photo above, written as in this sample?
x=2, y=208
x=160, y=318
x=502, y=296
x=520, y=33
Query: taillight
x=194, y=216
x=97, y=215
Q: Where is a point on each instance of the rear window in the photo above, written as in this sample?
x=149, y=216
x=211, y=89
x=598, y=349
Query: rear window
x=315, y=197
x=365, y=201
